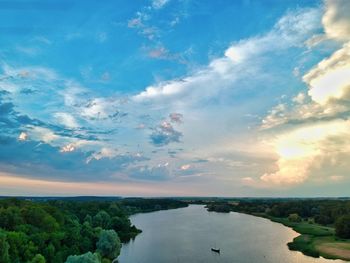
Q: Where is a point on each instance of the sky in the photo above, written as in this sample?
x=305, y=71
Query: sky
x=175, y=98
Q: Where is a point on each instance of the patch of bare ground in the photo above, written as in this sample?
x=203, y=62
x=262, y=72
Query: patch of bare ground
x=337, y=249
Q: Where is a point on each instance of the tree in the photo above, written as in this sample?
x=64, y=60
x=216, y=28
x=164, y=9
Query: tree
x=38, y=259
x=21, y=248
x=109, y=244
x=4, y=249
x=294, y=218
x=88, y=219
x=84, y=258
x=119, y=224
x=102, y=219
x=10, y=218
x=342, y=226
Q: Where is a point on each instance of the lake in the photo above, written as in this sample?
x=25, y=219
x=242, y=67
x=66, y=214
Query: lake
x=187, y=235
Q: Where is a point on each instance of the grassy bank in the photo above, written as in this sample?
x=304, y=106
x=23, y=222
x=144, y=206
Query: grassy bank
x=315, y=240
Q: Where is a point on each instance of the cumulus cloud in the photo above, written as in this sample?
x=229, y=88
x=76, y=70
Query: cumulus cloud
x=303, y=151
x=290, y=31
x=330, y=78
x=311, y=142
x=336, y=20
x=165, y=134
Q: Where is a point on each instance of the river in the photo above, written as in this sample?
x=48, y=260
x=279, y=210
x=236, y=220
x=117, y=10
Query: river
x=187, y=235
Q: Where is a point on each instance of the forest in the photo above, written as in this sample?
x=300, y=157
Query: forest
x=328, y=212
x=71, y=231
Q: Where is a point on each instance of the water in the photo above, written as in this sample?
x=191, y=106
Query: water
x=187, y=235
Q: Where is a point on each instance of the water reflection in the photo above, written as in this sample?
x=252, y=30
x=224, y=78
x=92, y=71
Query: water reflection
x=188, y=234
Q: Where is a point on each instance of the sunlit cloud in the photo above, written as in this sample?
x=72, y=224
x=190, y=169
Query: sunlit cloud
x=314, y=144
x=23, y=136
x=68, y=148
x=301, y=151
x=233, y=114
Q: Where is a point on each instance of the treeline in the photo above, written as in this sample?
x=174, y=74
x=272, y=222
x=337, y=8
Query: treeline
x=219, y=207
x=324, y=212
x=139, y=205
x=69, y=231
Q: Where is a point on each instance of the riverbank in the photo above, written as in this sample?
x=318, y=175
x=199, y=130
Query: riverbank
x=321, y=223
x=315, y=240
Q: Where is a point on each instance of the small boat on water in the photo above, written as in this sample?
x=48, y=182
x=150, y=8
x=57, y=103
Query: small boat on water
x=217, y=250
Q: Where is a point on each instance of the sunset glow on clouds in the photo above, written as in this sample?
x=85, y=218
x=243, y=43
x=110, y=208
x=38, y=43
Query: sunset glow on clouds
x=318, y=145
x=167, y=97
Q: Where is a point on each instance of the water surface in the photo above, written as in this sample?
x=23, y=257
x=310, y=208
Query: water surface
x=187, y=235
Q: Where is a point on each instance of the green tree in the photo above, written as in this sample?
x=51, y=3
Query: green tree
x=88, y=219
x=4, y=249
x=10, y=218
x=38, y=259
x=102, y=219
x=88, y=237
x=109, y=244
x=118, y=224
x=84, y=258
x=294, y=217
x=342, y=226
x=21, y=248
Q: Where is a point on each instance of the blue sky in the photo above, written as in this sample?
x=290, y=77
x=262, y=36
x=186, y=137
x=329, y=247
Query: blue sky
x=174, y=97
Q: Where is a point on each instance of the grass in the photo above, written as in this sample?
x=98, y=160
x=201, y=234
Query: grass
x=315, y=240
x=305, y=227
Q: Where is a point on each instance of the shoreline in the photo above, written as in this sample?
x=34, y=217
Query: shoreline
x=314, y=240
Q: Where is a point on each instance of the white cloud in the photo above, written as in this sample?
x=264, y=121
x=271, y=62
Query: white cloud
x=66, y=119
x=300, y=98
x=330, y=78
x=68, y=148
x=290, y=31
x=185, y=167
x=302, y=151
x=23, y=136
x=158, y=4
x=318, y=144
x=336, y=20
x=43, y=134
x=105, y=152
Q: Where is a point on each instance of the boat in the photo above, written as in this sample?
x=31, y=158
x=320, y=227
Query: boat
x=217, y=250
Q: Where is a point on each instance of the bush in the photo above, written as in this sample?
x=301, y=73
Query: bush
x=342, y=226
x=84, y=258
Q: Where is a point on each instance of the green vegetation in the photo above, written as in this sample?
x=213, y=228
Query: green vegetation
x=109, y=244
x=219, y=207
x=342, y=226
x=324, y=225
x=84, y=258
x=62, y=230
